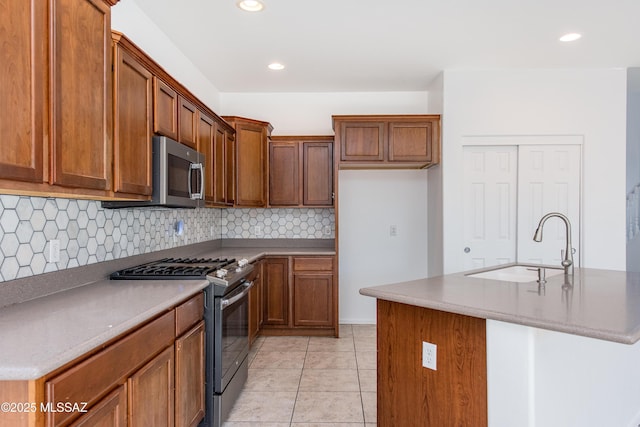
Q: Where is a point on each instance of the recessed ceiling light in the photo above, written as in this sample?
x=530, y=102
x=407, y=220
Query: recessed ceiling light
x=570, y=37
x=276, y=66
x=250, y=5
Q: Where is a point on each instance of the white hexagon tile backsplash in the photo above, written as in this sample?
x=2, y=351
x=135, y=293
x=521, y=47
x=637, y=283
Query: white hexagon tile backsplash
x=87, y=233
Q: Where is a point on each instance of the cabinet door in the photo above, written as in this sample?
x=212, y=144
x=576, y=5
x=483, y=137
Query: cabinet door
x=151, y=393
x=410, y=142
x=255, y=303
x=317, y=181
x=275, y=288
x=313, y=299
x=222, y=149
x=284, y=179
x=81, y=93
x=133, y=89
x=251, y=156
x=109, y=412
x=23, y=90
x=165, y=109
x=230, y=168
x=190, y=392
x=206, y=141
x=362, y=141
x=187, y=123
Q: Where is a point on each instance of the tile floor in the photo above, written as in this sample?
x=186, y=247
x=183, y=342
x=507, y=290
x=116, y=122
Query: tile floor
x=310, y=381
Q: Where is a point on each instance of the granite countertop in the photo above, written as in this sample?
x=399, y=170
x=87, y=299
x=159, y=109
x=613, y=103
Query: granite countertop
x=600, y=304
x=54, y=318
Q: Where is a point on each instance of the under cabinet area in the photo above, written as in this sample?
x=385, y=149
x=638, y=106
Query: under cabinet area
x=387, y=141
x=301, y=171
x=152, y=375
x=300, y=296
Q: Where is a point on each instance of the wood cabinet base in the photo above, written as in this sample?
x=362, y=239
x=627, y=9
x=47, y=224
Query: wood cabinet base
x=410, y=395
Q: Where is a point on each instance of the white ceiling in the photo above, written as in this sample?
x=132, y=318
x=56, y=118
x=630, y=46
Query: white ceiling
x=391, y=45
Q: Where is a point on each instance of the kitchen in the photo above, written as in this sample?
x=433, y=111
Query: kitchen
x=589, y=102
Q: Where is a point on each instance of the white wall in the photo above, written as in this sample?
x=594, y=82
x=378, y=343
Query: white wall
x=434, y=182
x=633, y=159
x=590, y=103
x=370, y=203
x=539, y=378
x=130, y=20
x=310, y=113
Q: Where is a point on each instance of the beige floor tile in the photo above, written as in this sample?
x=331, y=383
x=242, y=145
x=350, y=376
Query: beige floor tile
x=330, y=360
x=330, y=344
x=368, y=379
x=329, y=380
x=327, y=425
x=365, y=343
x=285, y=344
x=366, y=359
x=328, y=407
x=345, y=331
x=273, y=380
x=256, y=424
x=263, y=406
x=370, y=407
x=279, y=360
x=364, y=330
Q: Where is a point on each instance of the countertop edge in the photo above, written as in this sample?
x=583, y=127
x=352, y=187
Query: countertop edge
x=627, y=339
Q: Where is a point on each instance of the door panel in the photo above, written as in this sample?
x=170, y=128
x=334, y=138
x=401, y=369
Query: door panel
x=549, y=181
x=490, y=189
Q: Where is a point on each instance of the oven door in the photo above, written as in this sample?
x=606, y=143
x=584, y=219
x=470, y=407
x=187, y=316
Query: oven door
x=231, y=340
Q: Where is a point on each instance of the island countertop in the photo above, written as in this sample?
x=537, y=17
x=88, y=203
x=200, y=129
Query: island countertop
x=602, y=304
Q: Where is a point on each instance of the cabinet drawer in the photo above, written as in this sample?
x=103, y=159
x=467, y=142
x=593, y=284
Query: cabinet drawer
x=91, y=379
x=189, y=313
x=313, y=264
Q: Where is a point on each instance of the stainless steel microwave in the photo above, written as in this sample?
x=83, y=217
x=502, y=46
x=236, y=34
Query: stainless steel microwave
x=178, y=177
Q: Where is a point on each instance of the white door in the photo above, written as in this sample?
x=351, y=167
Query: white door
x=490, y=191
x=507, y=189
x=548, y=181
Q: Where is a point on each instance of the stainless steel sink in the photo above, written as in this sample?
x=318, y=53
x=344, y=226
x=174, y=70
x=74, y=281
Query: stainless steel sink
x=516, y=273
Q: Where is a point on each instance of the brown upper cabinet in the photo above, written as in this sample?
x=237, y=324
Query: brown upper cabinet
x=215, y=141
x=387, y=141
x=132, y=120
x=187, y=123
x=251, y=145
x=301, y=171
x=165, y=109
x=23, y=92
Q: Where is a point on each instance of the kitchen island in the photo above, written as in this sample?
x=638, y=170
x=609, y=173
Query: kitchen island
x=562, y=354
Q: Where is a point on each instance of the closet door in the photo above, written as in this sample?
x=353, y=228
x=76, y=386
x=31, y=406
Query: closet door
x=490, y=192
x=548, y=181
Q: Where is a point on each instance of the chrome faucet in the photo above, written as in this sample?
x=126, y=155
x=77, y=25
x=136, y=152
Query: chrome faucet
x=567, y=254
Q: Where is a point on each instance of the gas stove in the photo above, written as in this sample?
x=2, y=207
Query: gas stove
x=224, y=273
x=173, y=268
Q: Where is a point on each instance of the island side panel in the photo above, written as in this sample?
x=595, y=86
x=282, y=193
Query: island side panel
x=410, y=395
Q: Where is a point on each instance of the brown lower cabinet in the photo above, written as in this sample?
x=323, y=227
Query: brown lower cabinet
x=300, y=296
x=411, y=395
x=147, y=377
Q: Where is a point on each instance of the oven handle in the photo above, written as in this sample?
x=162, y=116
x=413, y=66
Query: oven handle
x=226, y=302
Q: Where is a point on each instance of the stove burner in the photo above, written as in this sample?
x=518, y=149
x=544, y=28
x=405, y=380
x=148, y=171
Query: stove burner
x=173, y=268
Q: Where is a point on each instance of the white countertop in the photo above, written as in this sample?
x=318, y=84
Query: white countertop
x=601, y=304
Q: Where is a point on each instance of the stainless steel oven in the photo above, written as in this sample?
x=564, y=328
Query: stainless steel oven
x=226, y=317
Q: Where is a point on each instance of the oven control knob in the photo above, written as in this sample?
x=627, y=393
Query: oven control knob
x=243, y=262
x=221, y=273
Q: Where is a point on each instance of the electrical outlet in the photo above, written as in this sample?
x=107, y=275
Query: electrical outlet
x=257, y=231
x=326, y=230
x=393, y=230
x=429, y=352
x=54, y=251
